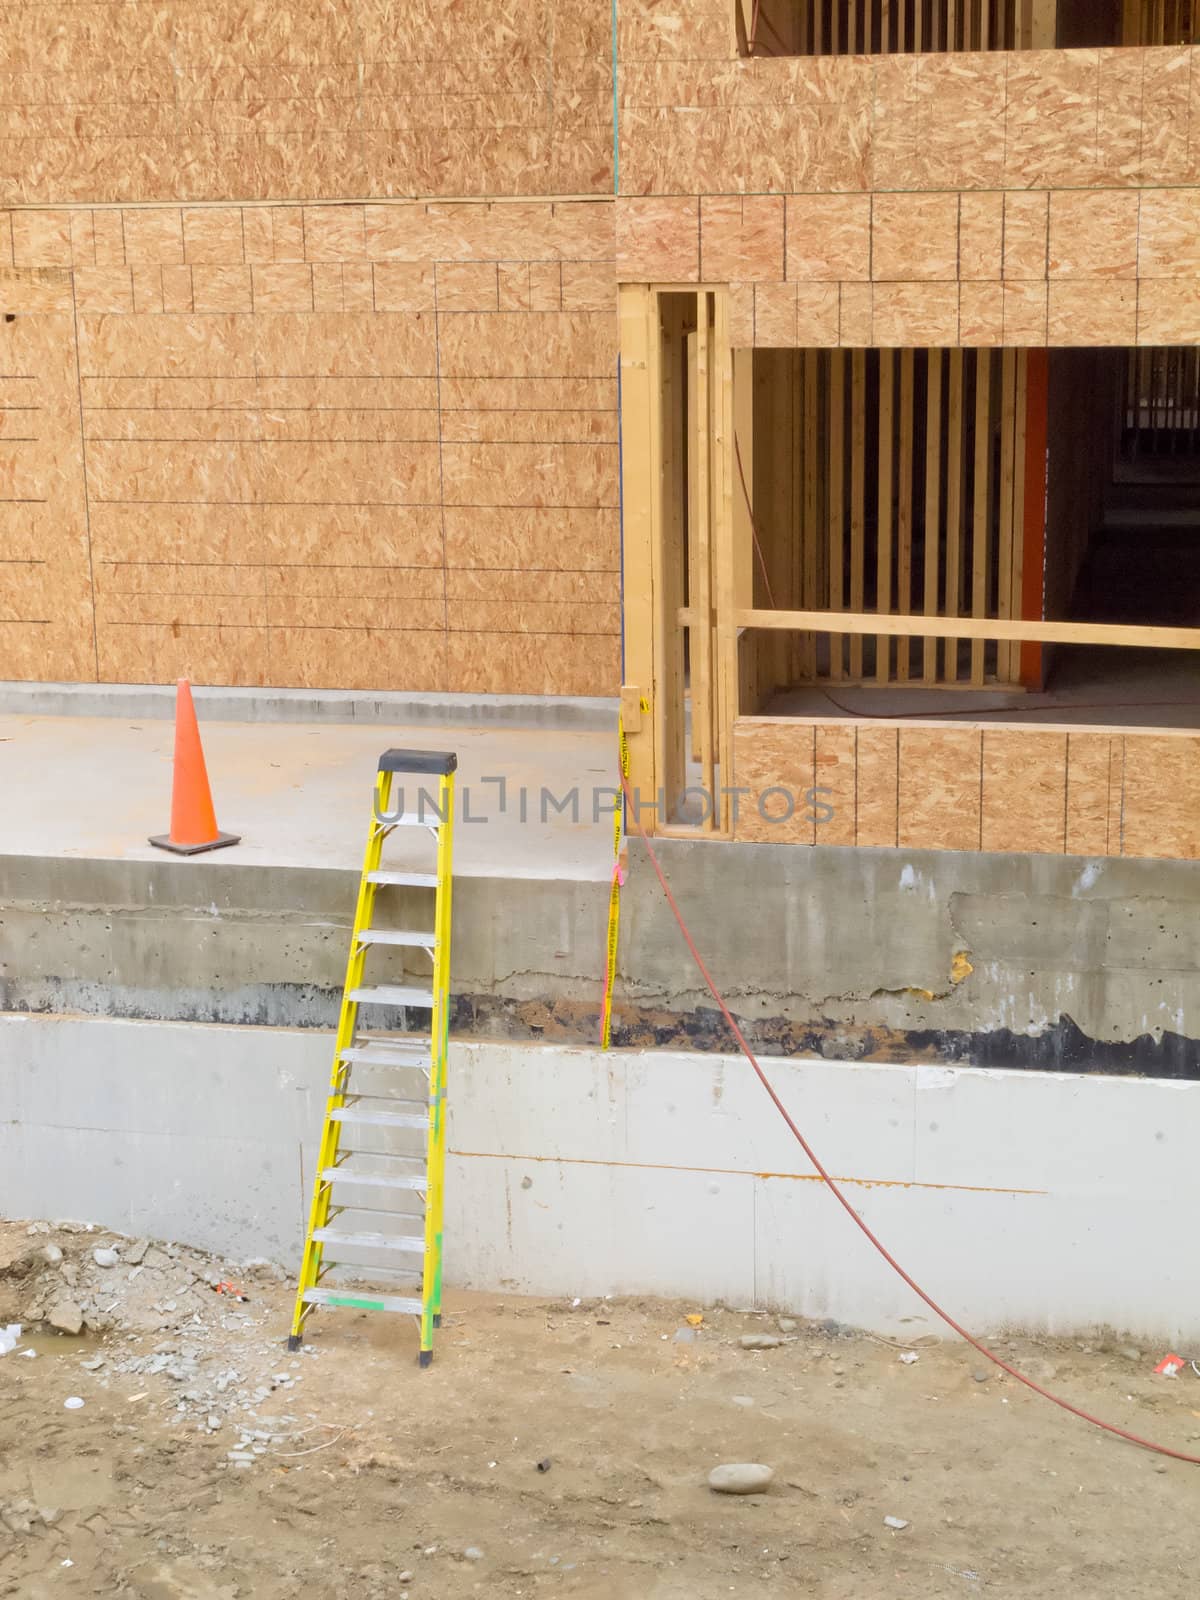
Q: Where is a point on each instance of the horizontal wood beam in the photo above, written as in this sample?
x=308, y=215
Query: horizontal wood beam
x=855, y=623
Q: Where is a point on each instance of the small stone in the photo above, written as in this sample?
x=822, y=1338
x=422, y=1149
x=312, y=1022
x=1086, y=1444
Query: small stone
x=105, y=1257
x=684, y=1336
x=740, y=1477
x=49, y=1515
x=741, y=1399
x=897, y=1524
x=136, y=1252
x=1129, y=1352
x=981, y=1376
x=786, y=1324
x=65, y=1316
x=93, y=1365
x=50, y=1254
x=405, y=1577
x=472, y=1553
x=759, y=1341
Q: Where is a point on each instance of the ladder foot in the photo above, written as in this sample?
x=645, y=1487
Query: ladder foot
x=425, y=1359
x=437, y=1319
x=295, y=1340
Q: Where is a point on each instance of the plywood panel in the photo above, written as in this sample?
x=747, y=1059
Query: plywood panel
x=939, y=788
x=224, y=100
x=658, y=240
x=829, y=237
x=1008, y=788
x=774, y=756
x=877, y=780
x=1159, y=814
x=914, y=238
x=1093, y=235
x=981, y=237
x=835, y=775
x=1024, y=792
x=741, y=238
x=1088, y=794
x=1091, y=313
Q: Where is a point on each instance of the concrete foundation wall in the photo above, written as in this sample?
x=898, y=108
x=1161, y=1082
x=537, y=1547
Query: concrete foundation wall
x=1038, y=1200
x=1008, y=960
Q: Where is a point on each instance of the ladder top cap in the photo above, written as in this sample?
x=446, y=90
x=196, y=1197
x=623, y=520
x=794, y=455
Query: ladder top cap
x=442, y=762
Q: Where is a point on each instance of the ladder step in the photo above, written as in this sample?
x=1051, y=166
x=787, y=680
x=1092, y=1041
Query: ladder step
x=386, y=1058
x=392, y=994
x=374, y=1180
x=415, y=880
x=401, y=936
x=364, y=1300
x=410, y=1244
x=414, y=819
x=379, y=1119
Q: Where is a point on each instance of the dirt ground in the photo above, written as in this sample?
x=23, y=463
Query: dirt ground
x=207, y=1464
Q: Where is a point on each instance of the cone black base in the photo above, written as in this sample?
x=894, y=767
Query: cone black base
x=165, y=842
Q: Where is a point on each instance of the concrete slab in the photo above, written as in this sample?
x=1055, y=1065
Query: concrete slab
x=533, y=803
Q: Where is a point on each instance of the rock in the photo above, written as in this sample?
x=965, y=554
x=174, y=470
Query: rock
x=18, y=1516
x=105, y=1257
x=786, y=1324
x=50, y=1254
x=1129, y=1352
x=472, y=1553
x=66, y=1316
x=93, y=1365
x=136, y=1252
x=897, y=1524
x=759, y=1341
x=740, y=1477
x=981, y=1376
x=741, y=1399
x=405, y=1577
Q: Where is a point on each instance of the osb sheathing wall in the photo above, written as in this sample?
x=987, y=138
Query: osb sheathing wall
x=1079, y=791
x=1013, y=198
x=283, y=99
x=337, y=446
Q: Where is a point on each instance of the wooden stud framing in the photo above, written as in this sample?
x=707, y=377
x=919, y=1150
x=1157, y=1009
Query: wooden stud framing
x=858, y=489
x=955, y=529
x=979, y=539
x=836, y=488
x=701, y=653
x=904, y=516
x=1008, y=415
x=670, y=724
x=933, y=508
x=883, y=553
x=812, y=526
x=979, y=629
x=1033, y=561
x=1016, y=564
x=725, y=555
x=637, y=310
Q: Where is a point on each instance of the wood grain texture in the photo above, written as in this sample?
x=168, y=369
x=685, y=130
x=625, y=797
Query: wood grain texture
x=307, y=465
x=243, y=101
x=1002, y=788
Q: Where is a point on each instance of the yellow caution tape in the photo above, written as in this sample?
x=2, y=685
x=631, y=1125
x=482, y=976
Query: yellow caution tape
x=614, y=896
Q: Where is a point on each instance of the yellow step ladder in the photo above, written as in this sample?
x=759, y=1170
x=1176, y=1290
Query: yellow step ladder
x=402, y=1078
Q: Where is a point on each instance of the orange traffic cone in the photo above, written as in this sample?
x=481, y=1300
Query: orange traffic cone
x=193, y=821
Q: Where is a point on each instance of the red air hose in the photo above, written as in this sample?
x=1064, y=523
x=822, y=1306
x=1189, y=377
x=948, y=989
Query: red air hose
x=835, y=1189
